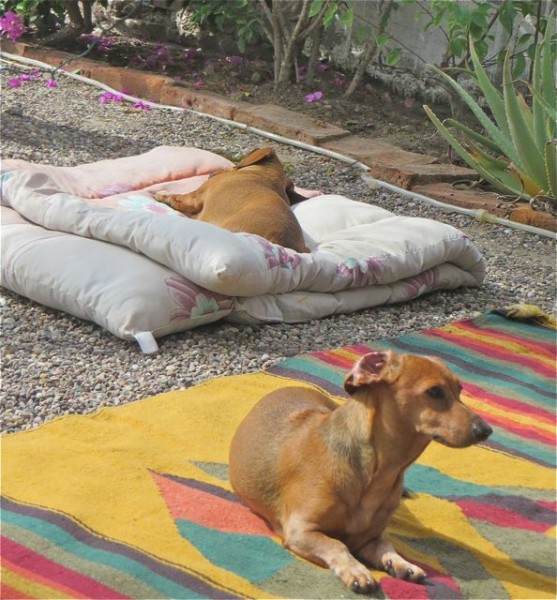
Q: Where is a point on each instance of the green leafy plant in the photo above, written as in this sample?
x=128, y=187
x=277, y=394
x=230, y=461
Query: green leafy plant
x=517, y=149
x=240, y=17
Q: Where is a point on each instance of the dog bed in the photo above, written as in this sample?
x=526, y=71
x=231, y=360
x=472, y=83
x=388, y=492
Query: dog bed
x=91, y=241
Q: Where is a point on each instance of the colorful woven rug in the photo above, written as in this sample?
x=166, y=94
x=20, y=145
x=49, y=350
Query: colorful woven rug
x=134, y=502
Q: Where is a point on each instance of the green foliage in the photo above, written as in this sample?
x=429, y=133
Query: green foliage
x=240, y=15
x=44, y=15
x=467, y=23
x=517, y=150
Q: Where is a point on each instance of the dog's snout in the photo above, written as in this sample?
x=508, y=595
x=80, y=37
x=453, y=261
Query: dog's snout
x=481, y=430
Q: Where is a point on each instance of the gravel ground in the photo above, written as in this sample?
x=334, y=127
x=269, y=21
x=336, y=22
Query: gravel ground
x=54, y=364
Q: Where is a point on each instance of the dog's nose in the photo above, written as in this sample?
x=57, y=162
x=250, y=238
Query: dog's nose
x=481, y=430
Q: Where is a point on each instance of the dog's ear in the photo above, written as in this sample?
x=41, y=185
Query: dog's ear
x=371, y=368
x=293, y=196
x=256, y=157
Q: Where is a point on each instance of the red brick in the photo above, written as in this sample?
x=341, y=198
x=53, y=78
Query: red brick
x=370, y=151
x=536, y=218
x=288, y=123
x=466, y=198
x=205, y=102
x=407, y=176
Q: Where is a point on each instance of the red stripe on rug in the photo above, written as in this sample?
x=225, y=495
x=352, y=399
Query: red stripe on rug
x=502, y=517
x=39, y=580
x=55, y=572
x=185, y=502
x=403, y=590
x=495, y=351
x=524, y=431
x=508, y=404
x=338, y=358
x=333, y=360
x=10, y=593
x=544, y=348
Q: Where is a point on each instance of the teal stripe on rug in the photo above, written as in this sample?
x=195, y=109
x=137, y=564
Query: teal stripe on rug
x=464, y=363
x=60, y=538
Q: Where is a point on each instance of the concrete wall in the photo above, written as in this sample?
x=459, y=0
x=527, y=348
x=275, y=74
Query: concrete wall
x=410, y=77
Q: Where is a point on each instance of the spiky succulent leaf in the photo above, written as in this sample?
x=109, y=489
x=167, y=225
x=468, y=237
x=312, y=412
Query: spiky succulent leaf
x=492, y=96
x=498, y=178
x=530, y=159
x=504, y=142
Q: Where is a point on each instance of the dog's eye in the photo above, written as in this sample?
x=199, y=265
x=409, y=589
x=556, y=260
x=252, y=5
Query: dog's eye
x=436, y=392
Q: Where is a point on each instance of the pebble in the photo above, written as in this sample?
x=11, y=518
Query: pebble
x=55, y=364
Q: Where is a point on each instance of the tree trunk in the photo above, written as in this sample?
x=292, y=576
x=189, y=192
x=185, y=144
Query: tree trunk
x=370, y=48
x=74, y=14
x=316, y=38
x=80, y=21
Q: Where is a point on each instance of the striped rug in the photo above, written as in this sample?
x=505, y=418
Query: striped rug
x=134, y=501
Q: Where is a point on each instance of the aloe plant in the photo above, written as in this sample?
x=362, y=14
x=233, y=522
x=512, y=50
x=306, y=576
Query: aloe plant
x=517, y=150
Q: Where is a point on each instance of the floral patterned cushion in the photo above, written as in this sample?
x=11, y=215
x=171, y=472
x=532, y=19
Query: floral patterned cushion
x=92, y=241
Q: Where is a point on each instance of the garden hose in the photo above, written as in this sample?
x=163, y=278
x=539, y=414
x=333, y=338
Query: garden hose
x=481, y=215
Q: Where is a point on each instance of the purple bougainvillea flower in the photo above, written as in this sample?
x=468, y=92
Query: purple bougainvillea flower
x=142, y=105
x=234, y=60
x=198, y=84
x=314, y=97
x=11, y=24
x=51, y=83
x=191, y=53
x=339, y=80
x=15, y=82
x=107, y=97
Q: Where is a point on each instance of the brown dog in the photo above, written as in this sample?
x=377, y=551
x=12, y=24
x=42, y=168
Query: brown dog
x=327, y=478
x=252, y=197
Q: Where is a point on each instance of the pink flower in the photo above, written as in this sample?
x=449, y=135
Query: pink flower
x=191, y=53
x=427, y=281
x=275, y=255
x=193, y=300
x=339, y=80
x=196, y=85
x=234, y=60
x=362, y=272
x=11, y=24
x=314, y=97
x=142, y=105
x=107, y=97
x=51, y=83
x=15, y=82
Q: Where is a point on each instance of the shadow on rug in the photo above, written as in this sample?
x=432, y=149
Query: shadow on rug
x=134, y=501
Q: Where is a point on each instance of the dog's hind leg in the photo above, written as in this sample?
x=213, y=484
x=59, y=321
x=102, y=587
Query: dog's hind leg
x=380, y=553
x=189, y=204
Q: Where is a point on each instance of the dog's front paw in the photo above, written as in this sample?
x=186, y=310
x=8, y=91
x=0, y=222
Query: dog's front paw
x=357, y=577
x=402, y=569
